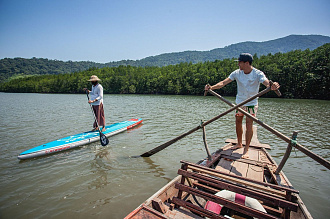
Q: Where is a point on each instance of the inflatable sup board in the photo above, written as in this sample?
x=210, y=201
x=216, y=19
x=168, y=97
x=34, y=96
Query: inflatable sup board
x=77, y=140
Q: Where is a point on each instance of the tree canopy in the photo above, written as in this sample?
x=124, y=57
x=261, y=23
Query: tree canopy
x=301, y=74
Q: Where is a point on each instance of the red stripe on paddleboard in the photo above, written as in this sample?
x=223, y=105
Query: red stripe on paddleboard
x=135, y=124
x=134, y=120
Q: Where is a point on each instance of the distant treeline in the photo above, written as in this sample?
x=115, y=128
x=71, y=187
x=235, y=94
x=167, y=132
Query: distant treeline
x=20, y=67
x=302, y=74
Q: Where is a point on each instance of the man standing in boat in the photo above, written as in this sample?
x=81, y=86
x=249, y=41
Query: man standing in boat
x=96, y=100
x=248, y=81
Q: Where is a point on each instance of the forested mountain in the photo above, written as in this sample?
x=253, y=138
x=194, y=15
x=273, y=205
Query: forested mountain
x=18, y=67
x=283, y=45
x=301, y=74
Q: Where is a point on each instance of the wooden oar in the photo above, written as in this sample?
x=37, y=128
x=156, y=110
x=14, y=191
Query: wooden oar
x=165, y=145
x=103, y=139
x=309, y=153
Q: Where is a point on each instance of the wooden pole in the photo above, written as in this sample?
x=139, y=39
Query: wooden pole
x=309, y=153
x=205, y=144
x=286, y=155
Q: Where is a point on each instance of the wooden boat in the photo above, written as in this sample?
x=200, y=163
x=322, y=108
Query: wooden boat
x=225, y=186
x=195, y=188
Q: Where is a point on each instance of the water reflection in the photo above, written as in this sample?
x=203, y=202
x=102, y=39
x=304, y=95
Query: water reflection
x=157, y=169
x=100, y=167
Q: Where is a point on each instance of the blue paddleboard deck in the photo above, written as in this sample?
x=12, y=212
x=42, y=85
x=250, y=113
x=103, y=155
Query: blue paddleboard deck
x=77, y=140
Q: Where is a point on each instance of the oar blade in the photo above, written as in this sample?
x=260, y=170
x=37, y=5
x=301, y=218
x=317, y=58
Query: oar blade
x=103, y=139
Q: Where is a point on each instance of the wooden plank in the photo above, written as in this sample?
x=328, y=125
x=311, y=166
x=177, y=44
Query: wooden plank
x=239, y=168
x=241, y=180
x=144, y=212
x=165, y=192
x=253, y=154
x=248, y=161
x=227, y=146
x=237, y=152
x=263, y=158
x=158, y=205
x=224, y=165
x=255, y=172
x=254, y=141
x=228, y=151
x=252, y=144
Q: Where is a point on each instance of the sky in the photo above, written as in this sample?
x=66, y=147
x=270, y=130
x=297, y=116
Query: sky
x=103, y=31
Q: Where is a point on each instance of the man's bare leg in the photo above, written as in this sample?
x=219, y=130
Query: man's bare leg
x=239, y=132
x=248, y=137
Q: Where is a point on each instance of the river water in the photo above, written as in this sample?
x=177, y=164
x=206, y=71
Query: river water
x=104, y=182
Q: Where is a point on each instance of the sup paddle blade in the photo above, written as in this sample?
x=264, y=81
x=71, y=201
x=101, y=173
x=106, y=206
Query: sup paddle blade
x=103, y=139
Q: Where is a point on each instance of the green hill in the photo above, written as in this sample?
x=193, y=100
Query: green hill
x=283, y=45
x=20, y=67
x=301, y=74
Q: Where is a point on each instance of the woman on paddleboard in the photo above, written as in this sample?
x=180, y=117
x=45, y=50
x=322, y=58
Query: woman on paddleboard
x=96, y=100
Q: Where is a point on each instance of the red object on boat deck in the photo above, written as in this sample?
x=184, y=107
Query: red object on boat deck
x=212, y=206
x=240, y=199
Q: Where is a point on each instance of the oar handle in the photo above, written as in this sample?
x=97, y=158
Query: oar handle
x=205, y=91
x=86, y=91
x=277, y=91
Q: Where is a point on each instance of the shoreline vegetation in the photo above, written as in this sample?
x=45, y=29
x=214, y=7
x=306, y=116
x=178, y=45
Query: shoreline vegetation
x=301, y=74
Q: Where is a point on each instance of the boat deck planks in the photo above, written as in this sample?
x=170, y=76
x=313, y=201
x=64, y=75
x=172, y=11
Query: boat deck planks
x=257, y=145
x=224, y=166
x=240, y=168
x=253, y=154
x=255, y=172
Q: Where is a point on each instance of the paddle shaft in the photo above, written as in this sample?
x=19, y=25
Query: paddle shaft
x=277, y=133
x=165, y=145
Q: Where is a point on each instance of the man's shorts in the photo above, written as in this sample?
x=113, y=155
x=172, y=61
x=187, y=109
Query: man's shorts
x=250, y=109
